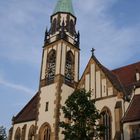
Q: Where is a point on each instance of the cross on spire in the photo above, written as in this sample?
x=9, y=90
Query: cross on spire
x=92, y=51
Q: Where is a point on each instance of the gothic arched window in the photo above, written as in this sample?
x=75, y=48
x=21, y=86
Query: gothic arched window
x=71, y=28
x=51, y=64
x=45, y=132
x=31, y=135
x=18, y=134
x=69, y=67
x=54, y=26
x=106, y=121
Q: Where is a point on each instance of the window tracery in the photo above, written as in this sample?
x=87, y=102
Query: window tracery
x=106, y=121
x=45, y=132
x=51, y=65
x=69, y=67
x=18, y=134
x=31, y=135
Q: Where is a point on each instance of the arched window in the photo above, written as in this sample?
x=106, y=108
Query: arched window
x=106, y=121
x=69, y=68
x=71, y=28
x=45, y=132
x=18, y=134
x=54, y=26
x=51, y=64
x=31, y=135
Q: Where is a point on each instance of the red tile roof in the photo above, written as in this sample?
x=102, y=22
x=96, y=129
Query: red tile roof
x=133, y=112
x=28, y=113
x=126, y=74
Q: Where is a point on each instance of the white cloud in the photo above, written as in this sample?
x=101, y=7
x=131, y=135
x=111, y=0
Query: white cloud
x=99, y=29
x=16, y=86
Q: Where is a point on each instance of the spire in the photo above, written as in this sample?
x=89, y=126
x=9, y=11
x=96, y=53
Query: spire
x=64, y=6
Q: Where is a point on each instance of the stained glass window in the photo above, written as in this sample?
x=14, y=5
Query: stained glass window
x=69, y=68
x=106, y=121
x=51, y=64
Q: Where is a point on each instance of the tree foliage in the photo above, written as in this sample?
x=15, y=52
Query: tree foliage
x=82, y=117
x=3, y=135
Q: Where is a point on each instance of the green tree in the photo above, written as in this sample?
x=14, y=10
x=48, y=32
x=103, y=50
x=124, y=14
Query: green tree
x=3, y=135
x=82, y=117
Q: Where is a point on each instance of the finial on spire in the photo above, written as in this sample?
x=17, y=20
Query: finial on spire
x=92, y=51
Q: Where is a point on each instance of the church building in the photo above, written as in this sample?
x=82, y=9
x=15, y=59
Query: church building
x=116, y=92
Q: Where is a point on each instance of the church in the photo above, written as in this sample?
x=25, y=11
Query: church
x=116, y=92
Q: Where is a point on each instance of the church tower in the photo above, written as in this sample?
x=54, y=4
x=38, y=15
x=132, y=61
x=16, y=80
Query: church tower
x=59, y=70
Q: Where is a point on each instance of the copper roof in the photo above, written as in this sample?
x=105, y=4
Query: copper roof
x=28, y=113
x=133, y=112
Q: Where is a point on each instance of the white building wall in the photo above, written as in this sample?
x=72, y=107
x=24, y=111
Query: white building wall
x=76, y=66
x=58, y=61
x=66, y=91
x=47, y=95
x=44, y=64
x=63, y=60
x=104, y=86
x=87, y=86
x=92, y=79
x=98, y=84
x=21, y=125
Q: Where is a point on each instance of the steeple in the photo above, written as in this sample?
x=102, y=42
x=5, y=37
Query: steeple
x=64, y=6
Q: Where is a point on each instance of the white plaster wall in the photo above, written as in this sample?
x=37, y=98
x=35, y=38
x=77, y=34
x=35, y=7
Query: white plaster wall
x=104, y=93
x=87, y=86
x=126, y=132
x=110, y=103
x=44, y=64
x=71, y=40
x=47, y=95
x=110, y=91
x=63, y=60
x=98, y=84
x=66, y=91
x=92, y=79
x=137, y=91
x=76, y=66
x=21, y=125
x=53, y=39
x=58, y=61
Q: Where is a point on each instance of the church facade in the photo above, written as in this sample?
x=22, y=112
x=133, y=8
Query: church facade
x=116, y=92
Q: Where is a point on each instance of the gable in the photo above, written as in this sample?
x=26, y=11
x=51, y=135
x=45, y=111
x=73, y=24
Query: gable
x=101, y=81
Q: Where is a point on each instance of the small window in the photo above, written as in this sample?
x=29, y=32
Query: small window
x=47, y=105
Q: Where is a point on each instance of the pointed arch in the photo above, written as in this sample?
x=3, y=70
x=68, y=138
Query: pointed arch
x=71, y=27
x=45, y=132
x=31, y=134
x=17, y=134
x=106, y=120
x=69, y=67
x=54, y=26
x=51, y=66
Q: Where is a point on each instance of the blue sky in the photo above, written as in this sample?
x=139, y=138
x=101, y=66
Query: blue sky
x=110, y=26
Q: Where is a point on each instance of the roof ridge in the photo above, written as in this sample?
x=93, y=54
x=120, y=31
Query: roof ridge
x=121, y=67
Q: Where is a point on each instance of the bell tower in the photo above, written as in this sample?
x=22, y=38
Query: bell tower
x=59, y=69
